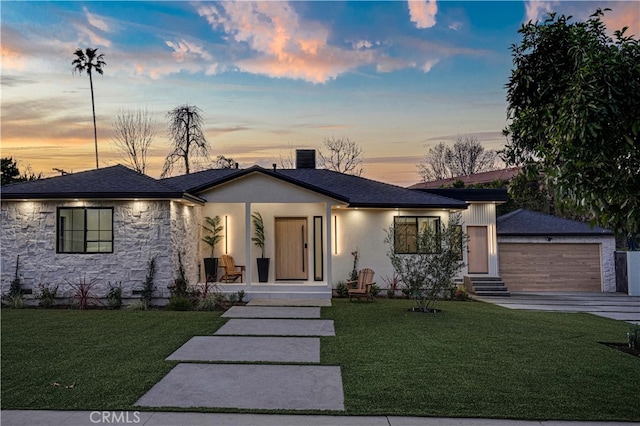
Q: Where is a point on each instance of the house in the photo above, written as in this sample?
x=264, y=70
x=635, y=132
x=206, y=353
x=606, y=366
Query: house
x=105, y=225
x=541, y=252
x=469, y=180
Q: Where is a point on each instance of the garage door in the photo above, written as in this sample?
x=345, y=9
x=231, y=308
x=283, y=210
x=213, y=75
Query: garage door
x=550, y=267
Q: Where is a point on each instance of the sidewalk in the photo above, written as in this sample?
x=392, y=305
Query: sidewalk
x=91, y=418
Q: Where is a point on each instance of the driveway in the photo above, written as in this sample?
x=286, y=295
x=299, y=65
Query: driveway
x=617, y=306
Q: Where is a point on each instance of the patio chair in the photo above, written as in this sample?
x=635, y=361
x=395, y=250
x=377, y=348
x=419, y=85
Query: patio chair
x=231, y=271
x=363, y=285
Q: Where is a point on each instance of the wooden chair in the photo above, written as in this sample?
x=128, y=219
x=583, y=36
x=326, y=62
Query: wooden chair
x=363, y=285
x=231, y=271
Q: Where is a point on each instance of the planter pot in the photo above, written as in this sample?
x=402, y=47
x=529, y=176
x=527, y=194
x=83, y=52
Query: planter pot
x=211, y=269
x=263, y=269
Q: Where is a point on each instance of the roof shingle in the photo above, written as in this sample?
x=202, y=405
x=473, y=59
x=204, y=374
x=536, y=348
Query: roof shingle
x=526, y=222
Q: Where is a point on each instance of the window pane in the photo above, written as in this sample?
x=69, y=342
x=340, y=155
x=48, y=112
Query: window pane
x=93, y=235
x=77, y=241
x=106, y=219
x=105, y=236
x=105, y=247
x=77, y=223
x=93, y=247
x=93, y=219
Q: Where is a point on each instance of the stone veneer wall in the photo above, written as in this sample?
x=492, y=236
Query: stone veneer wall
x=142, y=229
x=185, y=238
x=607, y=250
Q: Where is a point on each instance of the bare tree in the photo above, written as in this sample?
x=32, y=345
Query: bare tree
x=466, y=157
x=133, y=134
x=342, y=155
x=286, y=161
x=88, y=61
x=434, y=164
x=187, y=138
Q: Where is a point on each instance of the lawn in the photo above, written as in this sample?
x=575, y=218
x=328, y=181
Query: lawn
x=479, y=360
x=473, y=359
x=112, y=357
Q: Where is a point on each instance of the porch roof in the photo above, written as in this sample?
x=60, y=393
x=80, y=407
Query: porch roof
x=115, y=182
x=354, y=190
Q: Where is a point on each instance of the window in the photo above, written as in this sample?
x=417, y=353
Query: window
x=407, y=229
x=85, y=230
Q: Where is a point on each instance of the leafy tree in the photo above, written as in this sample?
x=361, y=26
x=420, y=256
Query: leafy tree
x=133, y=134
x=187, y=138
x=466, y=157
x=575, y=116
x=223, y=162
x=11, y=172
x=341, y=155
x=428, y=274
x=88, y=61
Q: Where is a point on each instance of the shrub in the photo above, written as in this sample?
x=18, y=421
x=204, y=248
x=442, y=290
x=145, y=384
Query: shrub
x=208, y=303
x=83, y=293
x=393, y=284
x=114, y=297
x=148, y=288
x=633, y=337
x=179, y=303
x=342, y=289
x=138, y=305
x=375, y=290
x=47, y=296
x=241, y=295
x=180, y=284
x=459, y=294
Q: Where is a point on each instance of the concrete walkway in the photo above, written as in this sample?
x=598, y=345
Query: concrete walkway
x=285, y=386
x=617, y=306
x=91, y=418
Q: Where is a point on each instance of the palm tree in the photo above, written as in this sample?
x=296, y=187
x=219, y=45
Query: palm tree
x=88, y=61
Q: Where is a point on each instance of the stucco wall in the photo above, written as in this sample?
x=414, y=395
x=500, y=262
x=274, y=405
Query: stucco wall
x=142, y=229
x=607, y=249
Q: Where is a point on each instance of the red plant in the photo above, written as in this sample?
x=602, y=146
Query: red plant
x=83, y=292
x=393, y=283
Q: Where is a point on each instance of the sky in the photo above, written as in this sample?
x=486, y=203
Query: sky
x=396, y=77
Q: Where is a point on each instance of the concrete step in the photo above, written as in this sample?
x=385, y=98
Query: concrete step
x=504, y=293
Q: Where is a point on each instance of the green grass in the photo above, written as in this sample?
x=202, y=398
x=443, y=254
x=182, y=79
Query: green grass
x=113, y=357
x=480, y=360
x=471, y=360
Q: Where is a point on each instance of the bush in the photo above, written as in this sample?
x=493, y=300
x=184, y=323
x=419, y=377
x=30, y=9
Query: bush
x=138, y=305
x=47, y=296
x=179, y=303
x=147, y=290
x=342, y=289
x=114, y=298
x=375, y=290
x=208, y=303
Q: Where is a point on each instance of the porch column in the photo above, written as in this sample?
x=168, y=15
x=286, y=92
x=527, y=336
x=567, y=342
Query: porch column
x=247, y=241
x=329, y=246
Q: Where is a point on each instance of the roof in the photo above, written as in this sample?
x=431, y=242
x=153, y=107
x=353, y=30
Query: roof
x=472, y=194
x=477, y=178
x=354, y=190
x=529, y=223
x=115, y=182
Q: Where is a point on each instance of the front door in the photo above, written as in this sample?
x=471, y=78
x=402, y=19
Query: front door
x=477, y=254
x=291, y=248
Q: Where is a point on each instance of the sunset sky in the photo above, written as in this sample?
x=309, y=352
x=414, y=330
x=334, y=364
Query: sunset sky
x=397, y=77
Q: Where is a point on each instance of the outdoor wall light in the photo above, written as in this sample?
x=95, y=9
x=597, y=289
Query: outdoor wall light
x=335, y=234
x=226, y=239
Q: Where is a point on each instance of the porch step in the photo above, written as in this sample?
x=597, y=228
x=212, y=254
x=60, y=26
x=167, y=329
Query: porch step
x=486, y=286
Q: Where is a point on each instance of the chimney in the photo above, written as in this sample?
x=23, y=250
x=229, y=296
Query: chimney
x=305, y=158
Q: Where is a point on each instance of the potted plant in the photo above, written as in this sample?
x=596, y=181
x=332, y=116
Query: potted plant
x=258, y=240
x=214, y=229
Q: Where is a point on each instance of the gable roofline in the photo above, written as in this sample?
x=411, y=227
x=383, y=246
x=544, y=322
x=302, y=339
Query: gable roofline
x=477, y=178
x=113, y=183
x=496, y=195
x=258, y=169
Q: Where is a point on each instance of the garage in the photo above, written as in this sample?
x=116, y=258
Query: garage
x=539, y=252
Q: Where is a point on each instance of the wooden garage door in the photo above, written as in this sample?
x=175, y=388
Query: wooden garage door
x=550, y=267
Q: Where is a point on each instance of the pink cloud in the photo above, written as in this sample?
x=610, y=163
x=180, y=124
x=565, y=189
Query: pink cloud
x=423, y=12
x=96, y=21
x=283, y=44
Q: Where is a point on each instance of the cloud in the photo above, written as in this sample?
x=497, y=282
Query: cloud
x=536, y=10
x=622, y=14
x=423, y=12
x=279, y=42
x=455, y=26
x=183, y=49
x=95, y=20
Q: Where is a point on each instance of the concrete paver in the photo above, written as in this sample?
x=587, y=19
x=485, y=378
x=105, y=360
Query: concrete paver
x=286, y=387
x=272, y=312
x=249, y=349
x=616, y=306
x=277, y=327
x=290, y=302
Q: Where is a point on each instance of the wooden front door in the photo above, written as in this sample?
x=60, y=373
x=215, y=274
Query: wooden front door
x=291, y=248
x=477, y=247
